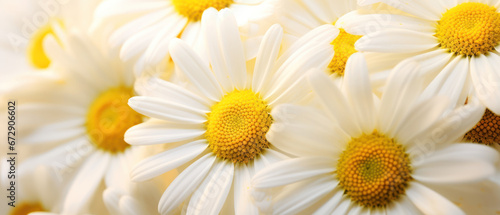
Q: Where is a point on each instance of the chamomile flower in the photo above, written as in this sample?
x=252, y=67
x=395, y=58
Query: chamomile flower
x=147, y=27
x=457, y=44
x=28, y=196
x=301, y=16
x=364, y=156
x=74, y=119
x=220, y=122
x=29, y=22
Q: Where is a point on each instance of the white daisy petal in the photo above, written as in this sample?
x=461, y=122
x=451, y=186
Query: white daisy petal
x=450, y=82
x=458, y=163
x=295, y=93
x=397, y=40
x=282, y=173
x=344, y=206
x=321, y=11
x=86, y=182
x=196, y=71
x=403, y=87
x=329, y=206
x=420, y=117
x=358, y=90
x=430, y=202
x=111, y=198
x=333, y=100
x=139, y=42
x=425, y=9
x=159, y=88
x=130, y=206
x=212, y=193
x=159, y=132
x=362, y=24
x=54, y=132
x=159, y=46
x=268, y=53
x=231, y=49
x=292, y=133
x=270, y=156
x=486, y=80
x=341, y=7
x=306, y=196
x=128, y=30
x=404, y=207
x=163, y=162
x=166, y=110
x=185, y=184
x=432, y=62
x=446, y=131
x=298, y=21
x=117, y=175
x=324, y=33
x=210, y=21
x=242, y=202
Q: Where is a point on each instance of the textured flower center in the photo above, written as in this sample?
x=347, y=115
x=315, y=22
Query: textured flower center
x=24, y=208
x=343, y=46
x=374, y=170
x=109, y=117
x=487, y=130
x=237, y=126
x=193, y=9
x=36, y=52
x=469, y=29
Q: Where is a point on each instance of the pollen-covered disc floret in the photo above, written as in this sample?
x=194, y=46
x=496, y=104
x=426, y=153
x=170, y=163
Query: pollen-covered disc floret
x=486, y=131
x=343, y=46
x=374, y=170
x=469, y=29
x=25, y=208
x=237, y=126
x=109, y=117
x=193, y=9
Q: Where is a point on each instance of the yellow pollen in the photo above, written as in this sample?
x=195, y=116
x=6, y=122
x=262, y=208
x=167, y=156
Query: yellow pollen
x=193, y=9
x=469, y=29
x=374, y=170
x=343, y=46
x=237, y=126
x=109, y=117
x=24, y=208
x=486, y=131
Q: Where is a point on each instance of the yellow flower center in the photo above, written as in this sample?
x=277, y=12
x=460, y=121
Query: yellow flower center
x=486, y=131
x=109, y=117
x=237, y=126
x=25, y=208
x=343, y=46
x=469, y=29
x=193, y=9
x=373, y=170
x=36, y=52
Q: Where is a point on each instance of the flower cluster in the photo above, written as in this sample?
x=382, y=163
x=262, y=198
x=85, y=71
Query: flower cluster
x=250, y=107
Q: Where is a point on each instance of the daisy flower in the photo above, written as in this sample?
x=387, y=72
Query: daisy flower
x=301, y=16
x=456, y=43
x=74, y=119
x=41, y=195
x=221, y=121
x=365, y=156
x=142, y=199
x=30, y=22
x=147, y=27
